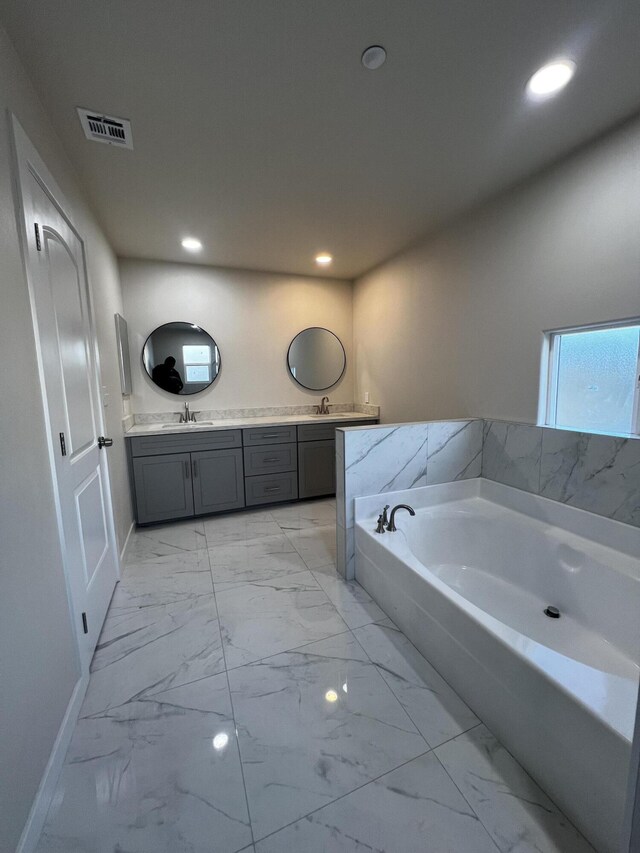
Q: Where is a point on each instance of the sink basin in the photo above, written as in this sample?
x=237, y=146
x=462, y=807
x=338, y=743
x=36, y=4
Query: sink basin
x=190, y=425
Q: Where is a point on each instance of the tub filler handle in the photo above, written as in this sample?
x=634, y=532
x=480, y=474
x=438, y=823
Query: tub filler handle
x=391, y=526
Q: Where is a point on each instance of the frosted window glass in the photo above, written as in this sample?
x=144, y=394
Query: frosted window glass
x=196, y=355
x=596, y=379
x=198, y=373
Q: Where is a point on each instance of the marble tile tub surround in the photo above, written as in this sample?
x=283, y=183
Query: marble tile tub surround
x=238, y=414
x=598, y=473
x=376, y=460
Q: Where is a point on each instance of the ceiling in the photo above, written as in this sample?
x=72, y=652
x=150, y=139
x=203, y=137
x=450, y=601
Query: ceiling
x=257, y=129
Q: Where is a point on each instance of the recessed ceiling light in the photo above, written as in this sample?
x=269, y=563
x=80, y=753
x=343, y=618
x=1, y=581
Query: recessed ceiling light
x=324, y=259
x=373, y=57
x=191, y=244
x=551, y=78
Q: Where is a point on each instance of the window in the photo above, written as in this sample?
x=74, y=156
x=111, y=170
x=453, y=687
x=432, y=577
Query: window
x=592, y=380
x=197, y=363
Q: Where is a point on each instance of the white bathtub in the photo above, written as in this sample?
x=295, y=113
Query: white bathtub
x=468, y=579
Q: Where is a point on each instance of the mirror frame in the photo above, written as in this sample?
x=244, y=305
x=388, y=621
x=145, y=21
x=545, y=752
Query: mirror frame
x=148, y=376
x=344, y=353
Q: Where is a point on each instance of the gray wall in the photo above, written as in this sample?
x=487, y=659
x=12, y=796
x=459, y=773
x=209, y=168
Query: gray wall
x=253, y=317
x=452, y=327
x=38, y=665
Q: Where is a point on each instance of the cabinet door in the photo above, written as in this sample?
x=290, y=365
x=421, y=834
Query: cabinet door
x=218, y=480
x=316, y=468
x=163, y=487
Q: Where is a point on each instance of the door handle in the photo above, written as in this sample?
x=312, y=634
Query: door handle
x=104, y=442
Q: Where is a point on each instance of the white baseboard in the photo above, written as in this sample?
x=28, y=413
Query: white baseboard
x=126, y=541
x=37, y=816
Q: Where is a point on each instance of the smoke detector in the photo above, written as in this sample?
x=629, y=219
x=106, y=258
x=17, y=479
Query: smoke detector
x=109, y=129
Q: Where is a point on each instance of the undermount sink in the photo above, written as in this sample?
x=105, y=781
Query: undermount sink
x=190, y=425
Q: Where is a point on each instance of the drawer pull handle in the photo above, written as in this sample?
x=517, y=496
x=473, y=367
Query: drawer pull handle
x=186, y=469
x=195, y=468
x=272, y=489
x=269, y=435
x=271, y=459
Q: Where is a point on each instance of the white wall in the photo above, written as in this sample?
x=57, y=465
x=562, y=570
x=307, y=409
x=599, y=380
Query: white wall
x=452, y=327
x=38, y=666
x=253, y=317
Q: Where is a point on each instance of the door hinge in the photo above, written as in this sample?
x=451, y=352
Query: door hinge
x=85, y=626
x=38, y=243
x=63, y=444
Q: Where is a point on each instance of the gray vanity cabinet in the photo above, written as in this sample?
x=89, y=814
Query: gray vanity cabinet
x=163, y=487
x=201, y=472
x=185, y=474
x=218, y=480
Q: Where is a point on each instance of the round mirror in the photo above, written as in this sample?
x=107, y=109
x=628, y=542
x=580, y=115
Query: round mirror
x=181, y=358
x=316, y=359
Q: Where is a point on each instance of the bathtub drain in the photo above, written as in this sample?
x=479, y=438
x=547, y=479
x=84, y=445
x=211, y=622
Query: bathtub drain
x=552, y=612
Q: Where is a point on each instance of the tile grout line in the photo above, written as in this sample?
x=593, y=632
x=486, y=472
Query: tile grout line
x=342, y=796
x=559, y=811
x=473, y=811
x=233, y=716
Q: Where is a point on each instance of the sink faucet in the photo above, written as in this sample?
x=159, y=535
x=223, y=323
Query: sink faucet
x=323, y=408
x=391, y=527
x=187, y=417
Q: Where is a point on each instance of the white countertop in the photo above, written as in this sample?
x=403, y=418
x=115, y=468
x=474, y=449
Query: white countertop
x=240, y=423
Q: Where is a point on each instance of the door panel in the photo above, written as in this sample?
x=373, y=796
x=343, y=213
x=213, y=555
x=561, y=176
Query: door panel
x=92, y=524
x=218, y=480
x=316, y=468
x=66, y=350
x=70, y=325
x=163, y=487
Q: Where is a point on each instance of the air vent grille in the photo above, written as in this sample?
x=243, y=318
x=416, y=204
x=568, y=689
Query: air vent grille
x=108, y=129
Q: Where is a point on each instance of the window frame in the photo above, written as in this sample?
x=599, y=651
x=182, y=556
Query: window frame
x=550, y=365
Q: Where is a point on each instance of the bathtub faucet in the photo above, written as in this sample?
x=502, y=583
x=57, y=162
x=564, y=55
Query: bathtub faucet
x=391, y=527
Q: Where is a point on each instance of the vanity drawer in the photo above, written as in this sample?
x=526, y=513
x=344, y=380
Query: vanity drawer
x=269, y=435
x=153, y=445
x=270, y=460
x=270, y=488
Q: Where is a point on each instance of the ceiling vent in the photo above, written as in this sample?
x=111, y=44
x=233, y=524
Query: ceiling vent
x=101, y=128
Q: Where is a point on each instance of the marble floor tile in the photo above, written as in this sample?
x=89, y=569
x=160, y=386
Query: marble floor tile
x=314, y=724
x=163, y=580
x=352, y=602
x=263, y=618
x=240, y=527
x=414, y=809
x=305, y=515
x=435, y=708
x=159, y=775
x=256, y=559
x=154, y=648
x=516, y=812
x=148, y=543
x=316, y=546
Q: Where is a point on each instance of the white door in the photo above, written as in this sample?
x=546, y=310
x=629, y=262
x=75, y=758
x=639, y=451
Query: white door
x=54, y=255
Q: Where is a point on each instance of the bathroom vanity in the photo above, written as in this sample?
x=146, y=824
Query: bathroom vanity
x=185, y=470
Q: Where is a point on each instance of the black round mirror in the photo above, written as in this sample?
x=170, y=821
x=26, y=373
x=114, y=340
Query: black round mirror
x=316, y=358
x=181, y=358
